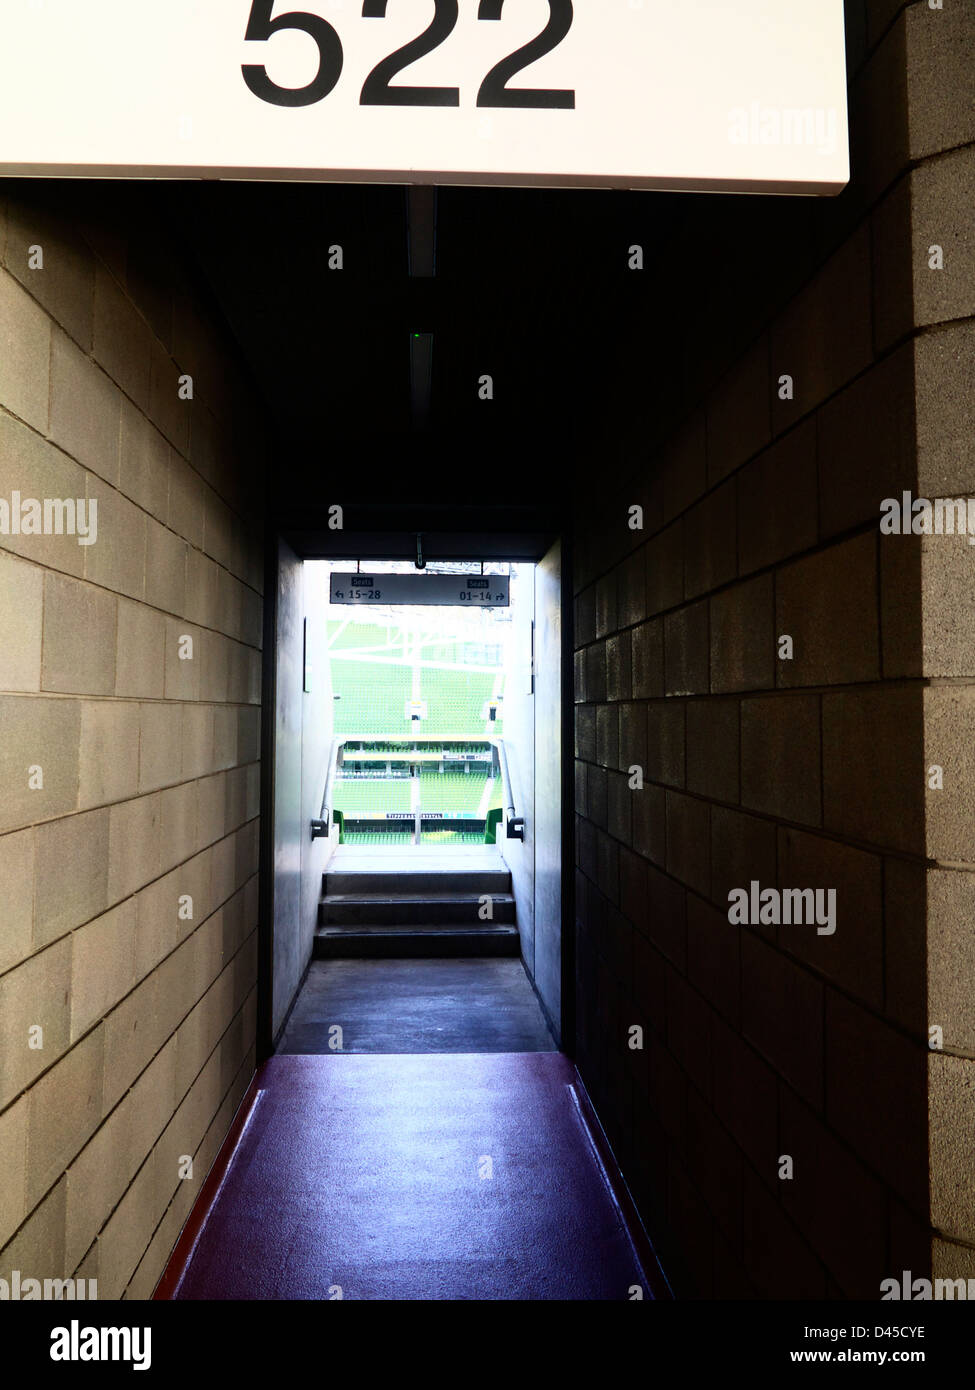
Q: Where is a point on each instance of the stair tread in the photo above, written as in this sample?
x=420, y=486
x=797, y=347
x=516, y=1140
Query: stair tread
x=422, y=897
x=435, y=876
x=418, y=928
x=442, y=884
x=402, y=943
x=411, y=871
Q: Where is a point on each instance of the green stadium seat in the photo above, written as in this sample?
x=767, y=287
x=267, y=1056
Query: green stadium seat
x=373, y=698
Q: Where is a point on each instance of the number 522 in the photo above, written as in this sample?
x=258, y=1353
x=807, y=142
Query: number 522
x=376, y=91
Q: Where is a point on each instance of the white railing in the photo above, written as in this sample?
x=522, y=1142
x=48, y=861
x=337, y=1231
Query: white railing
x=514, y=824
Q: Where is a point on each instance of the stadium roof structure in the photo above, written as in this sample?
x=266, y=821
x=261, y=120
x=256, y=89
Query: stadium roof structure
x=388, y=688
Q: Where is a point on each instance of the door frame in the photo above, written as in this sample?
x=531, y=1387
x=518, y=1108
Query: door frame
x=441, y=542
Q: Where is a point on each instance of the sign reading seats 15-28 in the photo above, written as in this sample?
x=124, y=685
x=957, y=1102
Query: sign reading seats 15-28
x=681, y=94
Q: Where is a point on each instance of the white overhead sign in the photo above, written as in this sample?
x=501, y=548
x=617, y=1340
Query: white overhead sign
x=681, y=94
x=439, y=590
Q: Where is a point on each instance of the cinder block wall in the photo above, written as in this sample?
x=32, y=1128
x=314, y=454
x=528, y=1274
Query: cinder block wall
x=761, y=519
x=128, y=862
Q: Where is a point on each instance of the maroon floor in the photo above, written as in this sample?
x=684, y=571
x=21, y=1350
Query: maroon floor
x=364, y=1172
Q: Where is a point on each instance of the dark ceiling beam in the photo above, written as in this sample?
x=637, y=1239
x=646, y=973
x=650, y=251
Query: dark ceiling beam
x=422, y=232
x=421, y=237
x=421, y=378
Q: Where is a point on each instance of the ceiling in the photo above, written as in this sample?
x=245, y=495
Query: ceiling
x=532, y=288
x=527, y=287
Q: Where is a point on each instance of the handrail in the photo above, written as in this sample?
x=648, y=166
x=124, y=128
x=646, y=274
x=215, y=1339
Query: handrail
x=515, y=825
x=320, y=828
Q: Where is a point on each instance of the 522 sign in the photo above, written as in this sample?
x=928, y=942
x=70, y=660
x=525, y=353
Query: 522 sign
x=376, y=91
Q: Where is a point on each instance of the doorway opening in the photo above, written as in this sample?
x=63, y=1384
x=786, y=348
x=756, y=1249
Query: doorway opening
x=420, y=711
x=418, y=694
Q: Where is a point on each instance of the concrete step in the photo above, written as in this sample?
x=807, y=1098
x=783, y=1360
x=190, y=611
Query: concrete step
x=382, y=881
x=377, y=940
x=412, y=909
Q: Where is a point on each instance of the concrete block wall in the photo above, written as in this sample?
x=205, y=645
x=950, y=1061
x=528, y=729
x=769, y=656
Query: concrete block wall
x=129, y=760
x=761, y=520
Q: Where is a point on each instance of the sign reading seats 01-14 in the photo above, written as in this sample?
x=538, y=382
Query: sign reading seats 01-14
x=715, y=95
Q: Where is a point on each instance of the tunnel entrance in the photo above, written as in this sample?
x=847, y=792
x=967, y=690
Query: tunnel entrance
x=418, y=695
x=417, y=799
x=418, y=781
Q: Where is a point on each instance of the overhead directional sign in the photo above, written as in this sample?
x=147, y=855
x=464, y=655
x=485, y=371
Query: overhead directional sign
x=439, y=590
x=681, y=94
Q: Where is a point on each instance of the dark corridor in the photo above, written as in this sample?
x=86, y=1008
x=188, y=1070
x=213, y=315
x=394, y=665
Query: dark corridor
x=737, y=421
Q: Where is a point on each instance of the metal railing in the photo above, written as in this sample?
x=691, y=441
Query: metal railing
x=321, y=828
x=514, y=824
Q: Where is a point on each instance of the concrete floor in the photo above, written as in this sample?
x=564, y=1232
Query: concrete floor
x=417, y=1006
x=413, y=1178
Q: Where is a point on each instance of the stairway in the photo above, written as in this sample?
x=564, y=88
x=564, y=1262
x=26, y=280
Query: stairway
x=420, y=907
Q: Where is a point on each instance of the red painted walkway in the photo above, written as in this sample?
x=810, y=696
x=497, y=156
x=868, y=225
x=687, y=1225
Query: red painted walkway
x=410, y=1177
